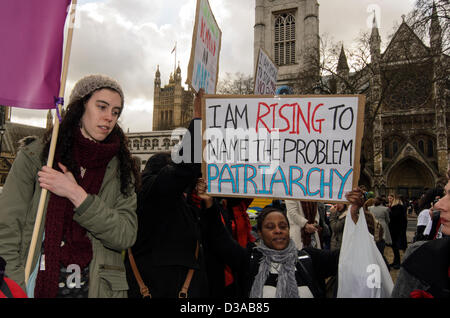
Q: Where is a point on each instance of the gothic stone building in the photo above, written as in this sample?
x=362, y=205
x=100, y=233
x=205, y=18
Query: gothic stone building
x=144, y=145
x=11, y=134
x=289, y=31
x=172, y=104
x=173, y=108
x=406, y=136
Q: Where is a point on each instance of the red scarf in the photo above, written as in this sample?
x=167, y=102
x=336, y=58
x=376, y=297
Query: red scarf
x=241, y=226
x=59, y=223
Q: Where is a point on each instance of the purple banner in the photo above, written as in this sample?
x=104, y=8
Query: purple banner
x=31, y=49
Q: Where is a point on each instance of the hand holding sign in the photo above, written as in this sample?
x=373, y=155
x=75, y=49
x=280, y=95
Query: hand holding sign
x=295, y=147
x=201, y=192
x=198, y=103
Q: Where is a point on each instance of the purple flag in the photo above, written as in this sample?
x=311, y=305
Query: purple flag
x=31, y=46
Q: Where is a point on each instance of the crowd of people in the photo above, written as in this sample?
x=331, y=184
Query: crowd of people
x=159, y=234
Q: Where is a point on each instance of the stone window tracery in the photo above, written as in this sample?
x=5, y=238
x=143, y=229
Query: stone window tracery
x=284, y=44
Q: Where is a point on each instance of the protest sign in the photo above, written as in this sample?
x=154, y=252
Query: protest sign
x=296, y=147
x=203, y=69
x=265, y=75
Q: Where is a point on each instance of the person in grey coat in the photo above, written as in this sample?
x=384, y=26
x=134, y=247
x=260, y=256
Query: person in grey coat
x=381, y=213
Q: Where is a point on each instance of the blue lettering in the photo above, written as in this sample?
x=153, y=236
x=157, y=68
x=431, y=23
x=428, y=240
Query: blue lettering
x=212, y=165
x=324, y=184
x=343, y=180
x=264, y=191
x=282, y=180
x=247, y=179
x=295, y=181
x=226, y=180
x=237, y=176
x=307, y=181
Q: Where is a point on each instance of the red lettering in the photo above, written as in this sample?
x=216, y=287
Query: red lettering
x=280, y=112
x=259, y=117
x=318, y=120
x=202, y=29
x=205, y=35
x=300, y=113
x=273, y=115
x=268, y=117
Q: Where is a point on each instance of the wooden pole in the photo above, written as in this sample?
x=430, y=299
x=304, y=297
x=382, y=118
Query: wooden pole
x=51, y=154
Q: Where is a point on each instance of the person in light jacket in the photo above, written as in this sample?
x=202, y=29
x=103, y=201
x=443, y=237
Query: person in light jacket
x=89, y=216
x=304, y=221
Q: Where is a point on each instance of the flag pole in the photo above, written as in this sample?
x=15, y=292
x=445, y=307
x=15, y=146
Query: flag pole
x=175, y=64
x=54, y=138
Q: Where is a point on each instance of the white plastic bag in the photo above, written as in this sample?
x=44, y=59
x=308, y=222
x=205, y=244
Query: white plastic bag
x=362, y=271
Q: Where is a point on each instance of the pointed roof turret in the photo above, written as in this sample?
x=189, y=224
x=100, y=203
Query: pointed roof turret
x=157, y=78
x=49, y=122
x=342, y=66
x=435, y=30
x=375, y=35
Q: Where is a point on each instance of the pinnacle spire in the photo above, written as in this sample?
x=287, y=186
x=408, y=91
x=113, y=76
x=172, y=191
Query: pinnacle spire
x=342, y=63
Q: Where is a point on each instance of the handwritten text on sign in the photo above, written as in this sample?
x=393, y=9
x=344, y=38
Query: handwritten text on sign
x=204, y=61
x=266, y=75
x=296, y=147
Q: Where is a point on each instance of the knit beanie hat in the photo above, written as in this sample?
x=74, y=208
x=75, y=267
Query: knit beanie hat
x=91, y=83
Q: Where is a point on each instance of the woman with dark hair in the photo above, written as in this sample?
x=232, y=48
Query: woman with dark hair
x=90, y=215
x=278, y=269
x=397, y=227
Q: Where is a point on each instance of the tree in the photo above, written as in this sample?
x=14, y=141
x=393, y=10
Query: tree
x=236, y=84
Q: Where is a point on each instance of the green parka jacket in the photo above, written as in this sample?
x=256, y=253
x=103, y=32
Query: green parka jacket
x=109, y=218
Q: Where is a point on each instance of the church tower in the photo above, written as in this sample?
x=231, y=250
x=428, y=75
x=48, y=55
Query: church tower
x=288, y=31
x=172, y=104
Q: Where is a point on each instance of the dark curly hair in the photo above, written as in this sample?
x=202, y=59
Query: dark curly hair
x=72, y=118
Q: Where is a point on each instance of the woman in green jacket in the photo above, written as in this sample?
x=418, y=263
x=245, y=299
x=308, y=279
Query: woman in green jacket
x=89, y=215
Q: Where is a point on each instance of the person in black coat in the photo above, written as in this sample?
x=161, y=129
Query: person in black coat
x=397, y=226
x=175, y=235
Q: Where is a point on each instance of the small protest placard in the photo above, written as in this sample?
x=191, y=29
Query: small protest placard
x=203, y=69
x=265, y=75
x=296, y=147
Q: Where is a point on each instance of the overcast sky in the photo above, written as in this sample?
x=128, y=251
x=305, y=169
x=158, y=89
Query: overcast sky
x=127, y=39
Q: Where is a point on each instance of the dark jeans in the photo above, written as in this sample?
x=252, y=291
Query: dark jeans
x=396, y=255
x=381, y=245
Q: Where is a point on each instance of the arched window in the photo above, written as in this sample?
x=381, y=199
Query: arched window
x=155, y=143
x=285, y=39
x=387, y=153
x=166, y=143
x=394, y=147
x=147, y=144
x=136, y=144
x=421, y=146
x=430, y=150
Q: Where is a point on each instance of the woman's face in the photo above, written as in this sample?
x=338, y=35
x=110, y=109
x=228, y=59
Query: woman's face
x=275, y=231
x=390, y=198
x=101, y=113
x=443, y=205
